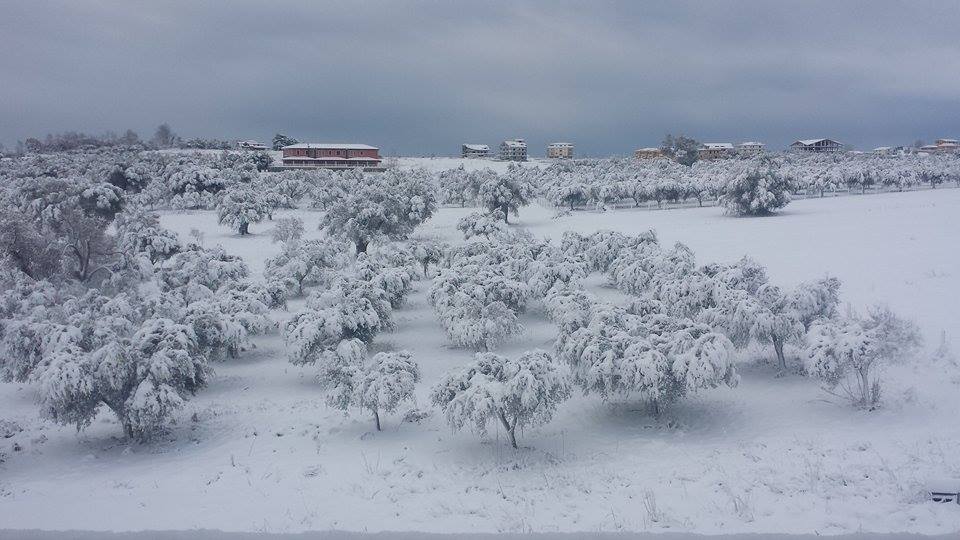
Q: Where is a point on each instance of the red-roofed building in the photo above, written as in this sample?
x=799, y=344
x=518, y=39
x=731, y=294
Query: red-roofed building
x=331, y=156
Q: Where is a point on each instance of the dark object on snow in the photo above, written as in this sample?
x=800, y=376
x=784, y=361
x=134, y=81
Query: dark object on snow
x=945, y=497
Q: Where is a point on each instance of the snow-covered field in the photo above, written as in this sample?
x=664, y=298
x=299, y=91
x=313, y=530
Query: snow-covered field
x=259, y=451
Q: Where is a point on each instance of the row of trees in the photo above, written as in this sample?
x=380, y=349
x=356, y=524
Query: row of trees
x=748, y=186
x=738, y=301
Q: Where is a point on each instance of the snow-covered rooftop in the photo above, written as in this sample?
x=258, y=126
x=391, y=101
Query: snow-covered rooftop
x=751, y=143
x=718, y=146
x=476, y=147
x=648, y=149
x=808, y=142
x=515, y=144
x=335, y=146
x=559, y=145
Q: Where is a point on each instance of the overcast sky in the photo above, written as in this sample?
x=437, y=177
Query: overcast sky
x=419, y=78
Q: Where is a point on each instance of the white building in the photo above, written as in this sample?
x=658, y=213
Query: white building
x=560, y=150
x=817, y=146
x=251, y=145
x=513, y=150
x=750, y=149
x=715, y=151
x=475, y=151
x=883, y=151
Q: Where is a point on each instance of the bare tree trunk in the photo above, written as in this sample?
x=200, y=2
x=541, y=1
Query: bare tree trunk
x=376, y=418
x=778, y=346
x=511, y=430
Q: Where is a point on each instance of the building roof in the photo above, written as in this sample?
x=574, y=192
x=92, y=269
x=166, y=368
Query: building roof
x=476, y=147
x=649, y=149
x=718, y=146
x=882, y=149
x=515, y=144
x=559, y=144
x=751, y=143
x=947, y=141
x=334, y=146
x=810, y=142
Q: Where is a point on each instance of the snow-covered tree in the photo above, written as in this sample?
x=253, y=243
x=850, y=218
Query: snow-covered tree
x=240, y=206
x=845, y=352
x=144, y=381
x=517, y=392
x=655, y=355
x=280, y=140
x=211, y=268
x=330, y=318
x=386, y=382
x=769, y=317
x=287, y=230
x=307, y=263
x=385, y=206
x=506, y=193
x=139, y=235
x=756, y=192
x=486, y=224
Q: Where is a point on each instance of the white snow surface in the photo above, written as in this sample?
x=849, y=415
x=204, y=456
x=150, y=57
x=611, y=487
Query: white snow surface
x=260, y=451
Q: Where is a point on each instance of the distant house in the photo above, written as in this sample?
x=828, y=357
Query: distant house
x=513, y=150
x=817, y=146
x=883, y=151
x=750, y=149
x=474, y=151
x=715, y=151
x=331, y=155
x=944, y=146
x=648, y=153
x=560, y=150
x=251, y=145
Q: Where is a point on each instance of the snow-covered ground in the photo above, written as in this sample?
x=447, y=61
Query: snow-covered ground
x=259, y=451
x=444, y=163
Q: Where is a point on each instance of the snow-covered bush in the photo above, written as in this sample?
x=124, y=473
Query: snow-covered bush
x=196, y=265
x=486, y=224
x=470, y=323
x=287, y=230
x=845, y=353
x=756, y=192
x=521, y=392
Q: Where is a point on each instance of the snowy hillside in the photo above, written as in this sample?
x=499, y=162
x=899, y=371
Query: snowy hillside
x=260, y=451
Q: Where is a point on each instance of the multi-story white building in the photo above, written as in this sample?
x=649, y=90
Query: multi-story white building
x=475, y=151
x=750, y=149
x=251, y=145
x=817, y=146
x=513, y=150
x=715, y=151
x=560, y=150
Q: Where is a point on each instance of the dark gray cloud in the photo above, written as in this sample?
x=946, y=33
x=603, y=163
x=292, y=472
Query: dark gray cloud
x=422, y=77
